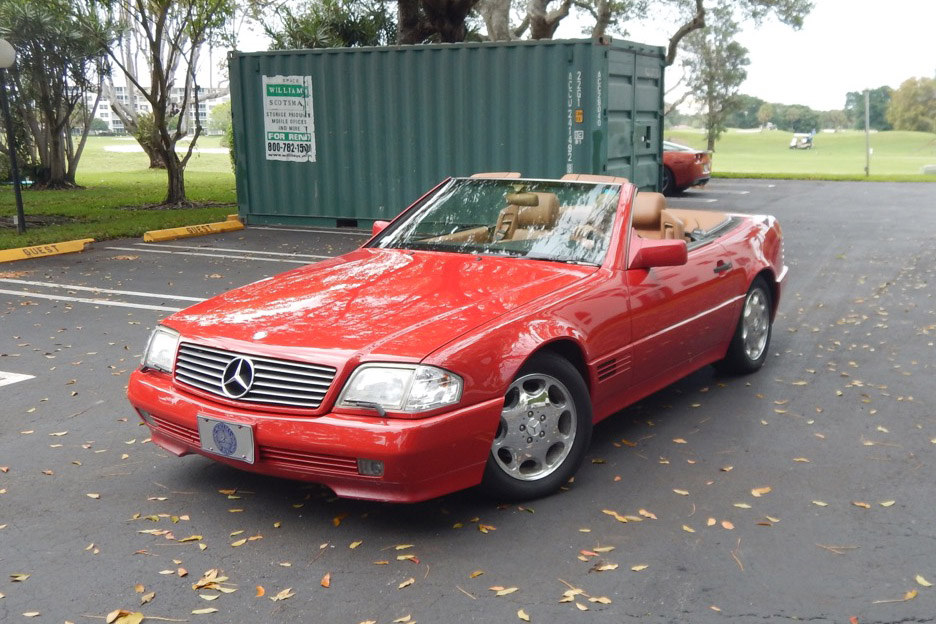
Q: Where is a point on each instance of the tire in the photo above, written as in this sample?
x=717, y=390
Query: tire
x=544, y=431
x=669, y=183
x=751, y=341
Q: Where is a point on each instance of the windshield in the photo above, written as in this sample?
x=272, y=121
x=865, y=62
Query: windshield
x=541, y=220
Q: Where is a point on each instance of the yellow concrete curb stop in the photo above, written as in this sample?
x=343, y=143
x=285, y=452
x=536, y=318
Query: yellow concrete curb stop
x=39, y=251
x=155, y=236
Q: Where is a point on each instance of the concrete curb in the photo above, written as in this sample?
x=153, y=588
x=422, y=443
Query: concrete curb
x=39, y=251
x=188, y=231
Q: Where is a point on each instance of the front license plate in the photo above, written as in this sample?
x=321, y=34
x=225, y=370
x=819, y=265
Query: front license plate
x=226, y=439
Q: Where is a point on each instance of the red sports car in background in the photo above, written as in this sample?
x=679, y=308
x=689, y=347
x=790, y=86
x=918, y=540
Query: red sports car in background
x=684, y=167
x=476, y=339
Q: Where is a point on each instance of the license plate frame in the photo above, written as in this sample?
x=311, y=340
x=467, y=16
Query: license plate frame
x=226, y=439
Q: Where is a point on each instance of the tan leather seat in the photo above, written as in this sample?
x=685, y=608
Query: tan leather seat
x=532, y=216
x=671, y=226
x=648, y=211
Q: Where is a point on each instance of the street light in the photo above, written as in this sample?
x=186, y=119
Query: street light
x=7, y=58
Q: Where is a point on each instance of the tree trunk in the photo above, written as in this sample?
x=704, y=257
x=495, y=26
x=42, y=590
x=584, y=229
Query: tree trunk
x=54, y=169
x=175, y=196
x=496, y=15
x=155, y=158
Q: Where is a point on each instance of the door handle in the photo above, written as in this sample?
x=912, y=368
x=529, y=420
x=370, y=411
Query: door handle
x=722, y=266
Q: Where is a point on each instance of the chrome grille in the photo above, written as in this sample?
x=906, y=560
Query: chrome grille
x=276, y=382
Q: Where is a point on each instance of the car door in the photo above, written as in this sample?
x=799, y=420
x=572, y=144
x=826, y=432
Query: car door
x=680, y=314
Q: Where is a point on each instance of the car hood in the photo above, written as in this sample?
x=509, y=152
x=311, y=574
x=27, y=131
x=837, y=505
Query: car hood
x=399, y=305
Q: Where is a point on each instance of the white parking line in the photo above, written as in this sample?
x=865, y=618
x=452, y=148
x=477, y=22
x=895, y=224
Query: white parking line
x=706, y=200
x=103, y=291
x=11, y=378
x=310, y=230
x=210, y=255
x=266, y=253
x=103, y=302
x=725, y=191
x=730, y=182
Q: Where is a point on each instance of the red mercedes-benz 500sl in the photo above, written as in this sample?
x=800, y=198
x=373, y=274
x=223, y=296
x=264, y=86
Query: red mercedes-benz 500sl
x=475, y=339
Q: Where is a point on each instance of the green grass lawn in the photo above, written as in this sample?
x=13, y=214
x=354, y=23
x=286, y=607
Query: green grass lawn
x=116, y=185
x=896, y=155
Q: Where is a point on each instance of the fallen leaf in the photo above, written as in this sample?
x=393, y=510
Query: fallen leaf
x=402, y=546
x=93, y=495
x=283, y=595
x=600, y=600
x=523, y=615
x=742, y=505
x=205, y=611
x=710, y=522
x=403, y=620
x=679, y=441
x=802, y=460
x=476, y=574
x=922, y=581
x=682, y=492
x=727, y=525
x=147, y=598
x=31, y=614
x=640, y=567
x=506, y=590
x=888, y=503
x=406, y=583
x=581, y=607
x=260, y=591
x=18, y=578
x=354, y=545
x=758, y=492
x=861, y=504
x=606, y=567
x=209, y=597
x=326, y=580
x=336, y=521
x=646, y=514
x=688, y=529
x=820, y=503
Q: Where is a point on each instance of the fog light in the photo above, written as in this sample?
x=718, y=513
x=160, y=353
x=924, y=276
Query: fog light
x=370, y=467
x=146, y=417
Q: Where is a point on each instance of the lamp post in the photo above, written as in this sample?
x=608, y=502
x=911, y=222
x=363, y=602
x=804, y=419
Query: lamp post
x=7, y=58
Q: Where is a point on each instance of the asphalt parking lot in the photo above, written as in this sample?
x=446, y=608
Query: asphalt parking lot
x=801, y=493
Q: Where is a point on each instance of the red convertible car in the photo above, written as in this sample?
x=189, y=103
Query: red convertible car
x=475, y=339
x=684, y=167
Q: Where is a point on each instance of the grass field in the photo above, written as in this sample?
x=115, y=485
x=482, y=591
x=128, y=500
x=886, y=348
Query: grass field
x=895, y=155
x=116, y=184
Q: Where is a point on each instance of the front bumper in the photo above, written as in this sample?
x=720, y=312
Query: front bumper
x=423, y=458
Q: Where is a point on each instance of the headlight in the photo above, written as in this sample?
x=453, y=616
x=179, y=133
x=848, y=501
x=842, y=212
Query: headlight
x=401, y=388
x=161, y=349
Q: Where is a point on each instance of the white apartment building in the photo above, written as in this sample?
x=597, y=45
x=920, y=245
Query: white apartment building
x=106, y=113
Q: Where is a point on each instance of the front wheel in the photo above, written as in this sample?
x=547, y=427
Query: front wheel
x=748, y=349
x=544, y=431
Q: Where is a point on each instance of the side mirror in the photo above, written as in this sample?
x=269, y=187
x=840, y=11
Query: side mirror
x=378, y=227
x=659, y=253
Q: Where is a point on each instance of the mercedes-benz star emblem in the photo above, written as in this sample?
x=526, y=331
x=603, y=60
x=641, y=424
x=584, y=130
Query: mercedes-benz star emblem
x=237, y=378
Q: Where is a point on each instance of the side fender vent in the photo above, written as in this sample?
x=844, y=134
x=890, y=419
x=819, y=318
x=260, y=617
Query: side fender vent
x=607, y=369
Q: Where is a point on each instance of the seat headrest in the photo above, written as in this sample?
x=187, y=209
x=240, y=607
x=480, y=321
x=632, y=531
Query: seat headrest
x=543, y=214
x=647, y=210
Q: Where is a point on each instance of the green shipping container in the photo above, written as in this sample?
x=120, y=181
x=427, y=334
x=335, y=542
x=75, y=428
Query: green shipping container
x=351, y=135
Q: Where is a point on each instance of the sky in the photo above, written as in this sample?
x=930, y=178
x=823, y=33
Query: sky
x=844, y=45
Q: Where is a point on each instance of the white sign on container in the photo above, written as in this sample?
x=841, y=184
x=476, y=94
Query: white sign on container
x=288, y=122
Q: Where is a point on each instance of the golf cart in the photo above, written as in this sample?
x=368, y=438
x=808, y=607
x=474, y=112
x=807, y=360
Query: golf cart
x=801, y=141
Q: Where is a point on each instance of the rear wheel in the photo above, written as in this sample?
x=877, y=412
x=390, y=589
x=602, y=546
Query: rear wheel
x=669, y=182
x=748, y=349
x=544, y=431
